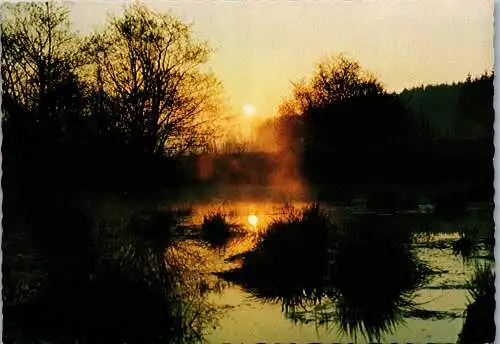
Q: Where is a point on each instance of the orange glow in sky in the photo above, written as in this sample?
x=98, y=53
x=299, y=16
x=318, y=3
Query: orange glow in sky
x=263, y=45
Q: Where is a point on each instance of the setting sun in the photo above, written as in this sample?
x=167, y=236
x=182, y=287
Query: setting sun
x=253, y=220
x=248, y=110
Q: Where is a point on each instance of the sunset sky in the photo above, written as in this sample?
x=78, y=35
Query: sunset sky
x=262, y=45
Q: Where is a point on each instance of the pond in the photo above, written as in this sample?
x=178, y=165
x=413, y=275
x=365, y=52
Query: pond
x=243, y=268
x=247, y=316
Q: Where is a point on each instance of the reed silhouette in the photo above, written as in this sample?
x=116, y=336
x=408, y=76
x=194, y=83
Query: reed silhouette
x=479, y=325
x=375, y=274
x=467, y=244
x=362, y=273
x=290, y=257
x=217, y=230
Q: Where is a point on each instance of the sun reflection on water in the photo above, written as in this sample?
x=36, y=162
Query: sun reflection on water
x=251, y=215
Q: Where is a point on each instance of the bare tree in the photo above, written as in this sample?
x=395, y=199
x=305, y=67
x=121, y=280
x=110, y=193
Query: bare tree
x=151, y=66
x=37, y=57
x=336, y=79
x=302, y=98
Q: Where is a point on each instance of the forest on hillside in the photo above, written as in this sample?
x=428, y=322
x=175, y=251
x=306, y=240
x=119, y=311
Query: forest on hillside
x=344, y=129
x=459, y=110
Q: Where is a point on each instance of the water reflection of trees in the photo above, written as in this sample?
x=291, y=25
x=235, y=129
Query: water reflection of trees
x=170, y=265
x=123, y=284
x=361, y=276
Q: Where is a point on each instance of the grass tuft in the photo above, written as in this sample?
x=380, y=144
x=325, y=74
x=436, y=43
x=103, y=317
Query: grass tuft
x=216, y=229
x=466, y=245
x=479, y=325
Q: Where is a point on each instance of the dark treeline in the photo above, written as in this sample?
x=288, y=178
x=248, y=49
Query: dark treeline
x=346, y=129
x=460, y=110
x=114, y=109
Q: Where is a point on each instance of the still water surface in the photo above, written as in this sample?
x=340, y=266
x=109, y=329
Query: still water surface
x=244, y=317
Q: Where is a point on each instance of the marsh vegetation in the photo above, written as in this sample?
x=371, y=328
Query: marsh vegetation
x=128, y=218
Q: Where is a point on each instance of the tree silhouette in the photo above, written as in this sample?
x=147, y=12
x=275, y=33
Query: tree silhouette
x=336, y=79
x=111, y=107
x=43, y=97
x=348, y=120
x=38, y=59
x=149, y=65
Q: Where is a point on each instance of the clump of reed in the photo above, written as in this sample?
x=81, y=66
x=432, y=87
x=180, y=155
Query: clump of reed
x=479, y=325
x=482, y=284
x=375, y=248
x=217, y=229
x=290, y=257
x=305, y=258
x=466, y=245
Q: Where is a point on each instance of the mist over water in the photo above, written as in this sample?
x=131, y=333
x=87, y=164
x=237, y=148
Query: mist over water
x=138, y=209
